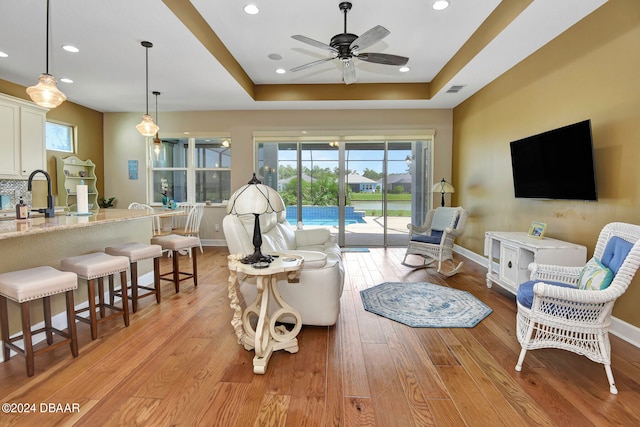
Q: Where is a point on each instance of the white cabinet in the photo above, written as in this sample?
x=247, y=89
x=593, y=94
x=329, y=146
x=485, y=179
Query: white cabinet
x=510, y=253
x=33, y=151
x=22, y=138
x=9, y=138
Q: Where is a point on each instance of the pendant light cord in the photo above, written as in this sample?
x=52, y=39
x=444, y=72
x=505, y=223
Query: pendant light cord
x=146, y=95
x=47, y=47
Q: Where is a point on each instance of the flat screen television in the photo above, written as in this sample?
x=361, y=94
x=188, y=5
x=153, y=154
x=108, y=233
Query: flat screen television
x=557, y=164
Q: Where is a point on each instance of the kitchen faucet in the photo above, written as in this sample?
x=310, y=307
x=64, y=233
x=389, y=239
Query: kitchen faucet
x=49, y=212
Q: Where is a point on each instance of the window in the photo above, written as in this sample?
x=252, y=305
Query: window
x=60, y=137
x=196, y=169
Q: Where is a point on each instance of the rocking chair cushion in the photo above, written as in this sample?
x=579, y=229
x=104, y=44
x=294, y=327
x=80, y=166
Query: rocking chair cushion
x=434, y=238
x=525, y=291
x=615, y=253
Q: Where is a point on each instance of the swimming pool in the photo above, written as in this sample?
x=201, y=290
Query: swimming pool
x=324, y=215
x=328, y=222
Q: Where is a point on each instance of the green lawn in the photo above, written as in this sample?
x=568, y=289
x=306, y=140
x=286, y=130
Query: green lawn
x=378, y=196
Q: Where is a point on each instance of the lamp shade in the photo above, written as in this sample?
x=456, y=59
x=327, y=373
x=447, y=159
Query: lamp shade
x=46, y=93
x=255, y=199
x=146, y=127
x=443, y=187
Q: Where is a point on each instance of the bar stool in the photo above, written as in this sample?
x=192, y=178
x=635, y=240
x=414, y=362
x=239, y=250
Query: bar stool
x=138, y=252
x=93, y=266
x=175, y=243
x=26, y=285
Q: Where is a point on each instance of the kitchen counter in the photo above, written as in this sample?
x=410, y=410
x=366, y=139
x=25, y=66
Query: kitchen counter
x=20, y=228
x=46, y=241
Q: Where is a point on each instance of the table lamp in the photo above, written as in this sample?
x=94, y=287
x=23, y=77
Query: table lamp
x=443, y=187
x=255, y=199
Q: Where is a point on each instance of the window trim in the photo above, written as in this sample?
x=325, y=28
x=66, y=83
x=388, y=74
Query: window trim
x=73, y=133
x=190, y=168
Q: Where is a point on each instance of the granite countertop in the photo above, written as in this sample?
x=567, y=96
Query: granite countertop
x=18, y=228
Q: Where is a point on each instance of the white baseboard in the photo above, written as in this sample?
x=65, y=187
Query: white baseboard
x=619, y=328
x=214, y=242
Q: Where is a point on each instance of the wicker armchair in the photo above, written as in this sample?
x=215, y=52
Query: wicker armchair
x=433, y=241
x=565, y=317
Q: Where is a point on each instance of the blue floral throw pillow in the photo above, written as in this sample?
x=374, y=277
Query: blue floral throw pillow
x=595, y=276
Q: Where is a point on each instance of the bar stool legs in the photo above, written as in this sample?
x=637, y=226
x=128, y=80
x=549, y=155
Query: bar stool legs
x=37, y=283
x=136, y=252
x=176, y=243
x=97, y=266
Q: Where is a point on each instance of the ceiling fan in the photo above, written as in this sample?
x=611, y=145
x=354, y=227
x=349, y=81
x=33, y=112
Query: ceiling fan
x=346, y=46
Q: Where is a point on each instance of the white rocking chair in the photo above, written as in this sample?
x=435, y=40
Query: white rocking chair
x=554, y=313
x=433, y=241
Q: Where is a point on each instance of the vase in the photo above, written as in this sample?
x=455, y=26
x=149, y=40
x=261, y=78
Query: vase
x=165, y=201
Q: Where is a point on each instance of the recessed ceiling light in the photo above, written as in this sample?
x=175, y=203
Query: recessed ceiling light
x=440, y=4
x=404, y=69
x=70, y=48
x=3, y=55
x=275, y=56
x=280, y=70
x=66, y=80
x=251, y=9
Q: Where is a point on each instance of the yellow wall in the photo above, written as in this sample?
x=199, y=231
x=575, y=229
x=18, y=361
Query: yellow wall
x=589, y=72
x=123, y=143
x=89, y=143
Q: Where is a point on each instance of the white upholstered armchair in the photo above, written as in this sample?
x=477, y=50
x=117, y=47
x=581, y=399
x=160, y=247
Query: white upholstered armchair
x=317, y=294
x=565, y=307
x=433, y=241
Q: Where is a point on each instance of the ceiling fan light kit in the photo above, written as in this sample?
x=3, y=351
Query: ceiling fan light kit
x=46, y=93
x=146, y=127
x=346, y=46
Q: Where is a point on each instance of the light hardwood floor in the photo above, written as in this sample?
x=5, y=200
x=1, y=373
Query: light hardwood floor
x=178, y=363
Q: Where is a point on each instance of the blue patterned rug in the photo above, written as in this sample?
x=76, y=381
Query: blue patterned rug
x=424, y=305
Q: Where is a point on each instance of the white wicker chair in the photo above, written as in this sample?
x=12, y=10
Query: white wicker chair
x=573, y=319
x=433, y=241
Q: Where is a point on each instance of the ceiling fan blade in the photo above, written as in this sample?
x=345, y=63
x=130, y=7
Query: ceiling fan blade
x=383, y=58
x=348, y=72
x=369, y=38
x=310, y=64
x=315, y=43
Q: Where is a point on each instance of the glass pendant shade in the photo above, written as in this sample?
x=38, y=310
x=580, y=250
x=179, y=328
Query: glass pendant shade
x=46, y=93
x=146, y=127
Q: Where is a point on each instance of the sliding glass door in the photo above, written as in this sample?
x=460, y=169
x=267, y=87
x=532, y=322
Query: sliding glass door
x=366, y=191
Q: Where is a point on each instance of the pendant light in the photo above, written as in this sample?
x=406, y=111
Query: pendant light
x=157, y=142
x=146, y=127
x=46, y=93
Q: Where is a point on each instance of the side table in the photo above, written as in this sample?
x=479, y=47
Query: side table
x=267, y=337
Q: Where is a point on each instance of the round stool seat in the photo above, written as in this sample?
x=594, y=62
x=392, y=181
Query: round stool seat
x=36, y=283
x=175, y=242
x=94, y=265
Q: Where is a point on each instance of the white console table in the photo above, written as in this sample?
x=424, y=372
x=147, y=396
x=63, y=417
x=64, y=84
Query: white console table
x=510, y=253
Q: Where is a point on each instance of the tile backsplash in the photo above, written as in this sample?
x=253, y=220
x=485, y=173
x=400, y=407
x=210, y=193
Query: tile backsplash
x=9, y=187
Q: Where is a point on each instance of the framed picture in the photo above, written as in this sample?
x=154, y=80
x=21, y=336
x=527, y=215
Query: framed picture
x=537, y=230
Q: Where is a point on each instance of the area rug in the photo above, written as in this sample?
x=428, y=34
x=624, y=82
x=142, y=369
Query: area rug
x=424, y=305
x=354, y=249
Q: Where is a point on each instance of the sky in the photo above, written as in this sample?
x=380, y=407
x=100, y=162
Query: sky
x=357, y=160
